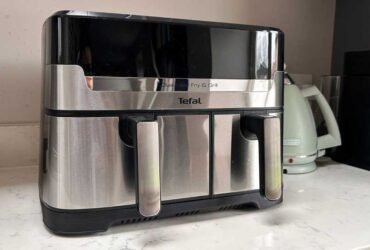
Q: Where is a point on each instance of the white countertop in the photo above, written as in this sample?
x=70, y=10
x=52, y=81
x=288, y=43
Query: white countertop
x=326, y=209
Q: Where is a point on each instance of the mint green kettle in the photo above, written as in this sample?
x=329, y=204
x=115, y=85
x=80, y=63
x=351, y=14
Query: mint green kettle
x=301, y=145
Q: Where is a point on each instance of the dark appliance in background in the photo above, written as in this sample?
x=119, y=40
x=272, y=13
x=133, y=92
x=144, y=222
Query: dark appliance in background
x=146, y=117
x=354, y=111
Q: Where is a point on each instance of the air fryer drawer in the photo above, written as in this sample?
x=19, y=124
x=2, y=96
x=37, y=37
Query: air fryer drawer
x=235, y=158
x=86, y=164
x=184, y=156
x=89, y=165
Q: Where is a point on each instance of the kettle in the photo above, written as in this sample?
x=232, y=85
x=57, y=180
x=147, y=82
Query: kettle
x=301, y=145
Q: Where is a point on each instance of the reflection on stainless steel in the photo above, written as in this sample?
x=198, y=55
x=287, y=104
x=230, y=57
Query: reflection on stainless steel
x=236, y=158
x=275, y=50
x=87, y=165
x=175, y=84
x=67, y=89
x=261, y=56
x=149, y=184
x=273, y=173
x=184, y=156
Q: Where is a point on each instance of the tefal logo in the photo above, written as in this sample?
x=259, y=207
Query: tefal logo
x=190, y=100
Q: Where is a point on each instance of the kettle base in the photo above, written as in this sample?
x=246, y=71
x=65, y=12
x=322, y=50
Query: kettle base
x=300, y=169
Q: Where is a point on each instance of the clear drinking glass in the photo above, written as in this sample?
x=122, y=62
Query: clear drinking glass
x=330, y=87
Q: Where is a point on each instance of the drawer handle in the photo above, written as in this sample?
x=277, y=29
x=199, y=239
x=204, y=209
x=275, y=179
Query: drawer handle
x=268, y=131
x=148, y=171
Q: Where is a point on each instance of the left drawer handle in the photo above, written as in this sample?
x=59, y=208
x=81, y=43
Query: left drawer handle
x=149, y=185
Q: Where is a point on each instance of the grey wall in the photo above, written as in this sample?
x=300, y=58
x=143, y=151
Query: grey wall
x=352, y=30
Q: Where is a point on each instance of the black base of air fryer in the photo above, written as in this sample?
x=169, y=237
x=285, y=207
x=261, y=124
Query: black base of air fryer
x=88, y=221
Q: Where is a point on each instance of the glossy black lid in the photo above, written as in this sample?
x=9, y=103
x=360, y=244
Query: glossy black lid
x=140, y=46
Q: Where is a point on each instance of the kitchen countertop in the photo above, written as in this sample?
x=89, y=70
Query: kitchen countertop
x=326, y=209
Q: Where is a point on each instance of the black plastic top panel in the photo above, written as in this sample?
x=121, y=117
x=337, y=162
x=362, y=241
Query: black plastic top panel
x=139, y=46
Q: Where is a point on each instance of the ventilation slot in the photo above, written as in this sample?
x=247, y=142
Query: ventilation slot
x=230, y=207
x=187, y=213
x=134, y=220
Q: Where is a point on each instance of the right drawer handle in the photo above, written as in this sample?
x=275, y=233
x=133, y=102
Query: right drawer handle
x=268, y=131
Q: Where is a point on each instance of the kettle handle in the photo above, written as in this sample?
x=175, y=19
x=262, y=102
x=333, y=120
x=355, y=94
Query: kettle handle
x=332, y=139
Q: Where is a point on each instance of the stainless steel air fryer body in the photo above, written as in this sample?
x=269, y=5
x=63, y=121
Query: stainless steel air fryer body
x=149, y=117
